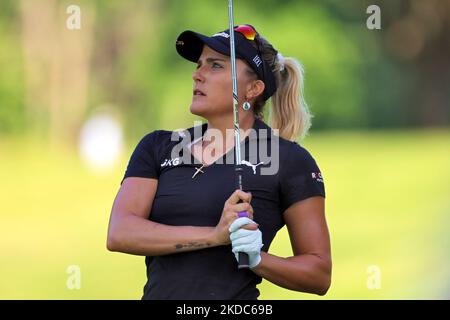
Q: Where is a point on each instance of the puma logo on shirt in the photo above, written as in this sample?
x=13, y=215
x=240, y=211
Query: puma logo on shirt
x=252, y=165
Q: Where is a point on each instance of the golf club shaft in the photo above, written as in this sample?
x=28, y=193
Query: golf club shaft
x=242, y=257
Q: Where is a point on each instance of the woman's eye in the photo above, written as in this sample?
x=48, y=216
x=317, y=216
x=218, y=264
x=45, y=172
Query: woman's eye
x=216, y=65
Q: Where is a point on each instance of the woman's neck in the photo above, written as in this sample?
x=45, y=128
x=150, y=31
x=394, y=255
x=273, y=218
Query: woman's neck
x=224, y=126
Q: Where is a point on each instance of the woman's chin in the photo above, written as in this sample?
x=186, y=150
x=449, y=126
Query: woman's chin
x=198, y=109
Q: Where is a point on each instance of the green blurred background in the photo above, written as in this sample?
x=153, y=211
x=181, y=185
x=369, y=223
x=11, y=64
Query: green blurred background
x=74, y=102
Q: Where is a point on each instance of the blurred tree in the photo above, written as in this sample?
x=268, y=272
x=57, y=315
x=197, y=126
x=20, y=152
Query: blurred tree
x=407, y=62
x=125, y=67
x=56, y=64
x=418, y=37
x=12, y=111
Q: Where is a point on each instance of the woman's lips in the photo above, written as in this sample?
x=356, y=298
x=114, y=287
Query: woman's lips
x=198, y=93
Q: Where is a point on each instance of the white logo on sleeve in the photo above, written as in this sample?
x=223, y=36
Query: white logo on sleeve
x=170, y=162
x=252, y=165
x=317, y=176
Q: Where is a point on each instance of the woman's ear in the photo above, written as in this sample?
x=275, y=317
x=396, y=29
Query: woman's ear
x=254, y=89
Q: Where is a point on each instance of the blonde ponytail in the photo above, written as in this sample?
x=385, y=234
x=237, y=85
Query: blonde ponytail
x=289, y=111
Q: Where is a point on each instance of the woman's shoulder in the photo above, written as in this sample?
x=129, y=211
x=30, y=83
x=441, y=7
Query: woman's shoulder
x=156, y=135
x=292, y=148
x=294, y=154
x=163, y=136
x=161, y=139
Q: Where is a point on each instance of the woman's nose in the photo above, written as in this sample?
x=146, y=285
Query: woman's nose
x=197, y=75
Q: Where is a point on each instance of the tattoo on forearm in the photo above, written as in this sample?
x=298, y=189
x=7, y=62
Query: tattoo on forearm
x=191, y=245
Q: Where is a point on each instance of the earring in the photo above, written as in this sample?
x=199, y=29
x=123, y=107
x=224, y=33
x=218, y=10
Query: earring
x=246, y=106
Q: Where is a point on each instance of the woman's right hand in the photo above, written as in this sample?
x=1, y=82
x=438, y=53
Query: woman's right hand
x=230, y=213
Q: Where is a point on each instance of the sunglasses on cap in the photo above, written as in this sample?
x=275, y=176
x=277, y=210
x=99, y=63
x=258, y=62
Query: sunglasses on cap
x=250, y=34
x=247, y=31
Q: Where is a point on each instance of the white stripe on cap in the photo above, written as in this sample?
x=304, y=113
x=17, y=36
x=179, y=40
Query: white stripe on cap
x=221, y=34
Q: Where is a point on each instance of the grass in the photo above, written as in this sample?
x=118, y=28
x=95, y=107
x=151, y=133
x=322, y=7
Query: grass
x=387, y=205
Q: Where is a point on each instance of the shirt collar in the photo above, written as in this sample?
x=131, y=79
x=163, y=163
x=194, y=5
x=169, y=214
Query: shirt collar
x=262, y=130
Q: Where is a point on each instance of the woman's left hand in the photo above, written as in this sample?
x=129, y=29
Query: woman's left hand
x=247, y=241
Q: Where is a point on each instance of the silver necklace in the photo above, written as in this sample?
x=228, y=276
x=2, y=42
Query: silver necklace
x=198, y=170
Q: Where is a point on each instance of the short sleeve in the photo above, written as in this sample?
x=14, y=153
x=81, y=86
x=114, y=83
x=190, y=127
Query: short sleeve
x=143, y=161
x=300, y=177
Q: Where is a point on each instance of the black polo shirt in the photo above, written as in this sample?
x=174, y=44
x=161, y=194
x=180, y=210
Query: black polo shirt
x=182, y=200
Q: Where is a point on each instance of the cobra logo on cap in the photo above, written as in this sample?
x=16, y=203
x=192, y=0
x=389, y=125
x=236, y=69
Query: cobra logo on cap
x=221, y=34
x=257, y=60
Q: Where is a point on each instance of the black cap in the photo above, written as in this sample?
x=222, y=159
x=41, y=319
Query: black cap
x=190, y=46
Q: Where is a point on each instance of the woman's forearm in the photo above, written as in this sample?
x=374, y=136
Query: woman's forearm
x=306, y=273
x=136, y=235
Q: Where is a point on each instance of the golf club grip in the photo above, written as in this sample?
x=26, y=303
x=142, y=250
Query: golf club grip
x=243, y=260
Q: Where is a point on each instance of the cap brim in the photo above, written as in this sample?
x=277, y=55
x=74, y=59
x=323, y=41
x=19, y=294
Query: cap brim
x=190, y=45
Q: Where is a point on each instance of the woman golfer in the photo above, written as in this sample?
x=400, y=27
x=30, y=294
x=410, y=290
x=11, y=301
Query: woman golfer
x=178, y=204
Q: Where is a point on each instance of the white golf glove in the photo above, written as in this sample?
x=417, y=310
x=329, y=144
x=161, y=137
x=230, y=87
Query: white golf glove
x=247, y=241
